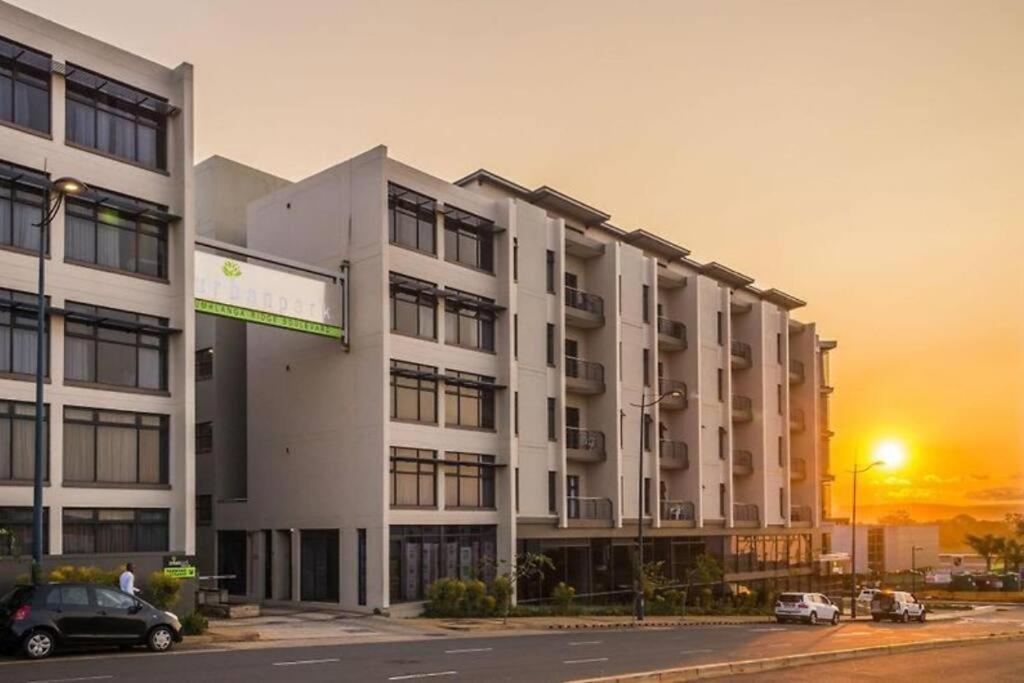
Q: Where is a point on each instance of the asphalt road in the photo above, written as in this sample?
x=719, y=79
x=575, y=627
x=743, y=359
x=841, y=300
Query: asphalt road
x=555, y=656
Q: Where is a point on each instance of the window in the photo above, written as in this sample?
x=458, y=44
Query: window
x=420, y=555
x=516, y=413
x=204, y=438
x=412, y=219
x=549, y=341
x=18, y=442
x=645, y=303
x=108, y=598
x=517, y=489
x=647, y=495
x=204, y=364
x=92, y=530
x=720, y=327
x=129, y=240
x=68, y=596
x=782, y=502
x=515, y=259
x=18, y=521
x=468, y=239
x=782, y=454
x=116, y=119
x=721, y=500
x=551, y=419
x=723, y=443
x=21, y=209
x=647, y=368
x=515, y=335
x=778, y=348
x=469, y=400
x=116, y=348
x=112, y=447
x=778, y=397
x=648, y=421
x=413, y=392
x=721, y=384
x=468, y=480
x=413, y=307
x=18, y=340
x=549, y=271
x=204, y=509
x=469, y=321
x=413, y=477
x=24, y=86
x=552, y=493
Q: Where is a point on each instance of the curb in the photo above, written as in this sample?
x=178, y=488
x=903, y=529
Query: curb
x=654, y=624
x=692, y=673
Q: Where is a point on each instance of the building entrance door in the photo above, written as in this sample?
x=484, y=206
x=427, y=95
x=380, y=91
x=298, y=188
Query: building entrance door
x=231, y=560
x=319, y=565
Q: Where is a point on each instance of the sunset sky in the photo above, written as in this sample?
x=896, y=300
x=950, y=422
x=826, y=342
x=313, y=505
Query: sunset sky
x=867, y=157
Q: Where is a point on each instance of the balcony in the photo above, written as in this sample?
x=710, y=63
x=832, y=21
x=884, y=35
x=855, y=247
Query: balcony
x=797, y=469
x=745, y=514
x=741, y=356
x=584, y=445
x=677, y=511
x=742, y=409
x=742, y=463
x=583, y=376
x=800, y=515
x=666, y=386
x=671, y=335
x=797, y=422
x=588, y=512
x=796, y=371
x=582, y=309
x=578, y=244
x=673, y=455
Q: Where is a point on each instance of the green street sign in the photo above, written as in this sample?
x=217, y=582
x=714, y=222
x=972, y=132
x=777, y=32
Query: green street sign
x=187, y=572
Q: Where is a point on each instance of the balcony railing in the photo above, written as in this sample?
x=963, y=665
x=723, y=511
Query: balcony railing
x=666, y=386
x=742, y=462
x=745, y=512
x=797, y=469
x=796, y=371
x=675, y=455
x=584, y=301
x=677, y=510
x=797, y=422
x=672, y=333
x=742, y=409
x=584, y=445
x=800, y=513
x=585, y=370
x=578, y=507
x=742, y=355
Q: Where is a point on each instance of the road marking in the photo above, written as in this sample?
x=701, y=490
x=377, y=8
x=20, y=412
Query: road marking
x=769, y=629
x=468, y=649
x=852, y=634
x=67, y=680
x=585, y=661
x=694, y=652
x=301, y=662
x=406, y=677
x=585, y=642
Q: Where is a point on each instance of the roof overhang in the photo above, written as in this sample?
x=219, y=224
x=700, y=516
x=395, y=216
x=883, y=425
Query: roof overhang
x=731, y=277
x=553, y=200
x=484, y=176
x=827, y=345
x=780, y=298
x=649, y=242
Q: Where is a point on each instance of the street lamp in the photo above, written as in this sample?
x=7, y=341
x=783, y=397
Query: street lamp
x=853, y=528
x=62, y=186
x=638, y=606
x=913, y=567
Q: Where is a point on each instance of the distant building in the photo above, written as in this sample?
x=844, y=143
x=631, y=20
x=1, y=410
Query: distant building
x=882, y=549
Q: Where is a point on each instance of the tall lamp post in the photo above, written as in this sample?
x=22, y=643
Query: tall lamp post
x=638, y=586
x=853, y=529
x=913, y=567
x=63, y=187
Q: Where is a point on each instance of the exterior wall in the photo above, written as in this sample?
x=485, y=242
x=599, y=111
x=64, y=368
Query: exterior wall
x=64, y=281
x=898, y=542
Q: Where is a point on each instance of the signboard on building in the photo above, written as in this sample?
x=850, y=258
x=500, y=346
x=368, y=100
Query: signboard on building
x=179, y=568
x=304, y=299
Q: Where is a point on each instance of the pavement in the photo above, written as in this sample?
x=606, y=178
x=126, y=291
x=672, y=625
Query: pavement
x=554, y=655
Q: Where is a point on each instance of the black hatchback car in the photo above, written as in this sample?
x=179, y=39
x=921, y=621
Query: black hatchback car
x=40, y=619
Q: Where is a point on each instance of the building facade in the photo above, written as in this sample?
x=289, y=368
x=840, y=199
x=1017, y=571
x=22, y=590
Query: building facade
x=885, y=549
x=119, y=328
x=486, y=405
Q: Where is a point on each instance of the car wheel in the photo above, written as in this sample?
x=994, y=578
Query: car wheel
x=813, y=619
x=38, y=644
x=921, y=616
x=160, y=639
x=835, y=618
x=905, y=617
x=875, y=618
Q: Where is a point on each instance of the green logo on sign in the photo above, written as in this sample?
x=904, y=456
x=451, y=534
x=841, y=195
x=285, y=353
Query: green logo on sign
x=231, y=269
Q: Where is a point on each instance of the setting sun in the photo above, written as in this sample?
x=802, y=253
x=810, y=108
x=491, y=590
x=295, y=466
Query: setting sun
x=891, y=452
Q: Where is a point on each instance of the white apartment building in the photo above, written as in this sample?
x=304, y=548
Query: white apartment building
x=119, y=349
x=500, y=339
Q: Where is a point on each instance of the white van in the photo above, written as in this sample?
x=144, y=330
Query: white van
x=897, y=606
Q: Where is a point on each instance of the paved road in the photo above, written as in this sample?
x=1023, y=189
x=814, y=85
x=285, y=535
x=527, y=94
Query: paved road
x=989, y=663
x=558, y=656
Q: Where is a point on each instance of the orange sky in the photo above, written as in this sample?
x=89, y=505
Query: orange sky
x=865, y=156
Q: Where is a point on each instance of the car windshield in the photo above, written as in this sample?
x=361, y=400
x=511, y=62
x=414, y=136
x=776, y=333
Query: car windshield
x=790, y=598
x=885, y=599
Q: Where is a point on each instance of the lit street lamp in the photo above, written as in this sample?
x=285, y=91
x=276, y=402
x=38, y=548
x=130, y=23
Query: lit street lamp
x=638, y=607
x=853, y=529
x=63, y=187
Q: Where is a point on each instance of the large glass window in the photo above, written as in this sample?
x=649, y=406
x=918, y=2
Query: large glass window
x=204, y=364
x=17, y=521
x=18, y=337
x=468, y=239
x=24, y=86
x=469, y=401
x=413, y=307
x=130, y=241
x=204, y=438
x=92, y=530
x=18, y=442
x=116, y=119
x=412, y=219
x=113, y=447
x=468, y=480
x=469, y=321
x=420, y=555
x=117, y=348
x=413, y=392
x=413, y=477
x=21, y=210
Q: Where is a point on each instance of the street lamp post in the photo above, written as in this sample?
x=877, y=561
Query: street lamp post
x=638, y=586
x=63, y=187
x=913, y=567
x=853, y=538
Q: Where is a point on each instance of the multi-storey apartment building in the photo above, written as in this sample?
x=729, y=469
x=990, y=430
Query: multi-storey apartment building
x=501, y=340
x=119, y=328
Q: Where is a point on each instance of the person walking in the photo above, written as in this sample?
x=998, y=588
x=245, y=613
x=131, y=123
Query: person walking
x=127, y=580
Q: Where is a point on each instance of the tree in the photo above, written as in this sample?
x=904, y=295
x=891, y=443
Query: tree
x=1013, y=555
x=705, y=572
x=897, y=518
x=1015, y=520
x=988, y=546
x=524, y=567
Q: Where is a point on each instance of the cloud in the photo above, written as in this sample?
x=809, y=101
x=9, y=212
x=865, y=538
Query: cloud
x=896, y=481
x=979, y=477
x=911, y=493
x=1002, y=493
x=936, y=479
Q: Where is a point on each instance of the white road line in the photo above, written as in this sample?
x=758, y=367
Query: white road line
x=468, y=649
x=853, y=634
x=585, y=661
x=300, y=662
x=585, y=642
x=768, y=629
x=694, y=652
x=430, y=675
x=68, y=680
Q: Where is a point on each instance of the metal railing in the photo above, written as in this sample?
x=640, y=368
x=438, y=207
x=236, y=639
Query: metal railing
x=742, y=403
x=799, y=513
x=672, y=328
x=797, y=468
x=667, y=385
x=742, y=459
x=678, y=510
x=584, y=439
x=579, y=507
x=745, y=512
x=673, y=449
x=741, y=350
x=578, y=368
x=797, y=422
x=584, y=301
x=796, y=369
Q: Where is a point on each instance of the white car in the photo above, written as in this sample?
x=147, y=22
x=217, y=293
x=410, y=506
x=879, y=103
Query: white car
x=865, y=597
x=897, y=606
x=808, y=607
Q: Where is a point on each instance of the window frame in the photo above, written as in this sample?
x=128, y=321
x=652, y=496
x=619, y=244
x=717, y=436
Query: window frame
x=484, y=396
x=418, y=297
x=426, y=466
x=10, y=312
x=482, y=316
x=204, y=441
x=421, y=385
x=20, y=71
x=13, y=194
x=204, y=364
x=95, y=340
x=468, y=227
x=9, y=413
x=460, y=466
x=96, y=422
x=94, y=524
x=100, y=213
x=398, y=204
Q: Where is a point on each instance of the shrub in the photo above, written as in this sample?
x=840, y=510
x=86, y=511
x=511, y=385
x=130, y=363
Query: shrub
x=445, y=598
x=72, y=574
x=501, y=591
x=563, y=595
x=162, y=591
x=194, y=624
x=473, y=603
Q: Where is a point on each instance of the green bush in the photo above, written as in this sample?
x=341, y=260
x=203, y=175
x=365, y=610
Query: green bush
x=194, y=624
x=563, y=596
x=473, y=603
x=72, y=574
x=445, y=598
x=162, y=591
x=501, y=591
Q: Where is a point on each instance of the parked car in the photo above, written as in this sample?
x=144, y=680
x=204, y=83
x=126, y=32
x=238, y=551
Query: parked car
x=40, y=619
x=808, y=607
x=897, y=606
x=865, y=597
